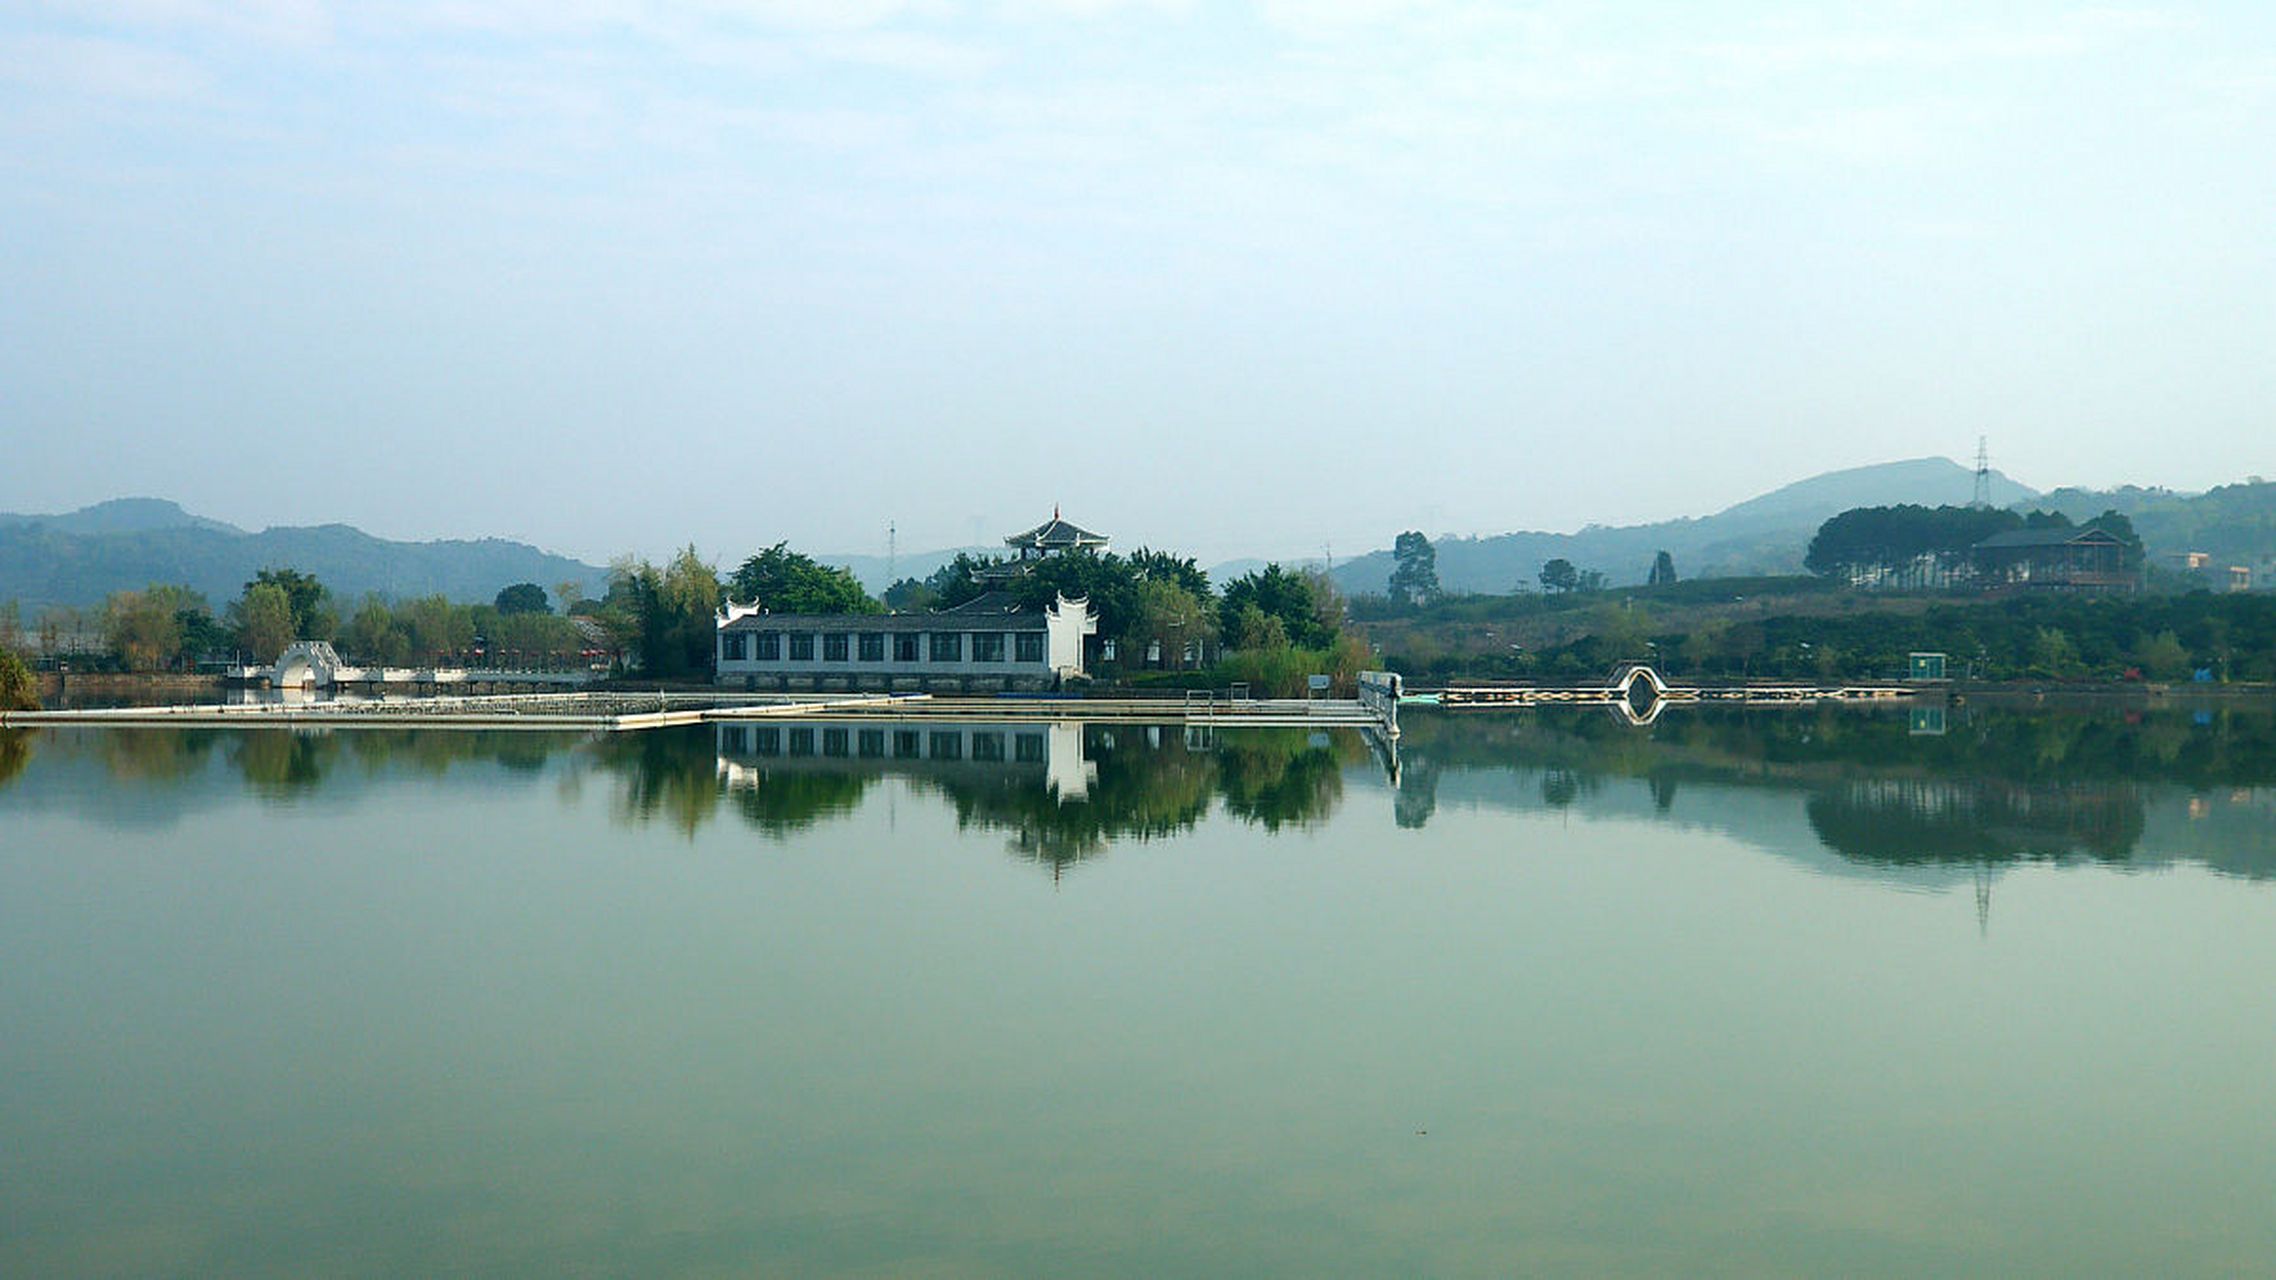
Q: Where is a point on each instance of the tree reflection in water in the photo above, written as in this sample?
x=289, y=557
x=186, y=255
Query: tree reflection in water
x=15, y=754
x=1977, y=787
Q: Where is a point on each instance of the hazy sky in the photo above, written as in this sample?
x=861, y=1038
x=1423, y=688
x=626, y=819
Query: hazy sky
x=1235, y=278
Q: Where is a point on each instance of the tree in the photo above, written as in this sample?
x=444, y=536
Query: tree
x=786, y=581
x=1107, y=581
x=1171, y=617
x=18, y=690
x=374, y=638
x=910, y=595
x=1254, y=629
x=11, y=626
x=1162, y=566
x=523, y=597
x=1286, y=597
x=264, y=621
x=305, y=597
x=570, y=593
x=144, y=627
x=2163, y=657
x=1663, y=571
x=435, y=630
x=1559, y=575
x=675, y=611
x=1414, y=576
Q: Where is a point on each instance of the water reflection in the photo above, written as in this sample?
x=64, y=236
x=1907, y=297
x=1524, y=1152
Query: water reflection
x=1898, y=790
x=1062, y=791
x=1960, y=788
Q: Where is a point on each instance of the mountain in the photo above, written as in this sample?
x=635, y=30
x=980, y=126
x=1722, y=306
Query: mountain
x=2234, y=524
x=122, y=515
x=82, y=557
x=1764, y=534
x=876, y=573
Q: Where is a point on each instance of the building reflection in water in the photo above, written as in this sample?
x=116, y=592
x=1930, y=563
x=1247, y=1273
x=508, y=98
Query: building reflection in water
x=1897, y=794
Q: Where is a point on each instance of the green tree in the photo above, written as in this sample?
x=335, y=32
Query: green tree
x=309, y=602
x=786, y=581
x=19, y=691
x=1663, y=571
x=144, y=628
x=374, y=637
x=1107, y=581
x=1559, y=575
x=264, y=621
x=435, y=630
x=1279, y=594
x=2163, y=657
x=11, y=626
x=1171, y=617
x=523, y=597
x=1148, y=565
x=1414, y=573
x=676, y=609
x=910, y=595
x=1254, y=629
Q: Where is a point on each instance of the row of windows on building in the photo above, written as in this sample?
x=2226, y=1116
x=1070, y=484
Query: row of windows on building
x=870, y=646
x=985, y=745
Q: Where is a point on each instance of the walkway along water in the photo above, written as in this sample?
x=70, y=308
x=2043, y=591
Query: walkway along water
x=1376, y=709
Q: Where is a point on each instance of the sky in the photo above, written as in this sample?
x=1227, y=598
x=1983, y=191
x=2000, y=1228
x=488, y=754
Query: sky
x=1258, y=278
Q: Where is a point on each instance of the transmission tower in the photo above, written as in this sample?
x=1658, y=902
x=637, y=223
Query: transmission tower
x=1982, y=499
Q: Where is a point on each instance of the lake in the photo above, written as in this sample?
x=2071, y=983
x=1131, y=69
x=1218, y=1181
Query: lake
x=1747, y=993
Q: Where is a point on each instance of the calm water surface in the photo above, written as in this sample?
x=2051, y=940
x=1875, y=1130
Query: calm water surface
x=1750, y=994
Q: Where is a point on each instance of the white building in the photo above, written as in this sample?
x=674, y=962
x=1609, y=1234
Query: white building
x=984, y=644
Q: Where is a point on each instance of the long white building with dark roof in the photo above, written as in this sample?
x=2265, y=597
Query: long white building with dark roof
x=987, y=643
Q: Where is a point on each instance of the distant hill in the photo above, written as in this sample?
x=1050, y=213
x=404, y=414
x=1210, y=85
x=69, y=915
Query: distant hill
x=81, y=557
x=2235, y=524
x=121, y=515
x=876, y=574
x=1762, y=535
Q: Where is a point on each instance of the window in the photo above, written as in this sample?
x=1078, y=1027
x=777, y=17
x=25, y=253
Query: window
x=869, y=744
x=766, y=741
x=801, y=647
x=987, y=646
x=802, y=742
x=948, y=746
x=948, y=646
x=908, y=648
x=988, y=746
x=734, y=646
x=907, y=745
x=834, y=647
x=1027, y=748
x=1028, y=646
x=1106, y=649
x=770, y=646
x=872, y=647
x=834, y=742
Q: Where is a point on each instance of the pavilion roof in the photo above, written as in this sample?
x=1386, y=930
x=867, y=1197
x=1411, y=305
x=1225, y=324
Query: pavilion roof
x=1056, y=534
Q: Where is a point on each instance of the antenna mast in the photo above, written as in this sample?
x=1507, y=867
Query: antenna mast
x=1982, y=499
x=892, y=553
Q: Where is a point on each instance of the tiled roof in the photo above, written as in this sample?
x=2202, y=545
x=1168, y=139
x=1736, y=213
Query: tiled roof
x=1056, y=532
x=1021, y=620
